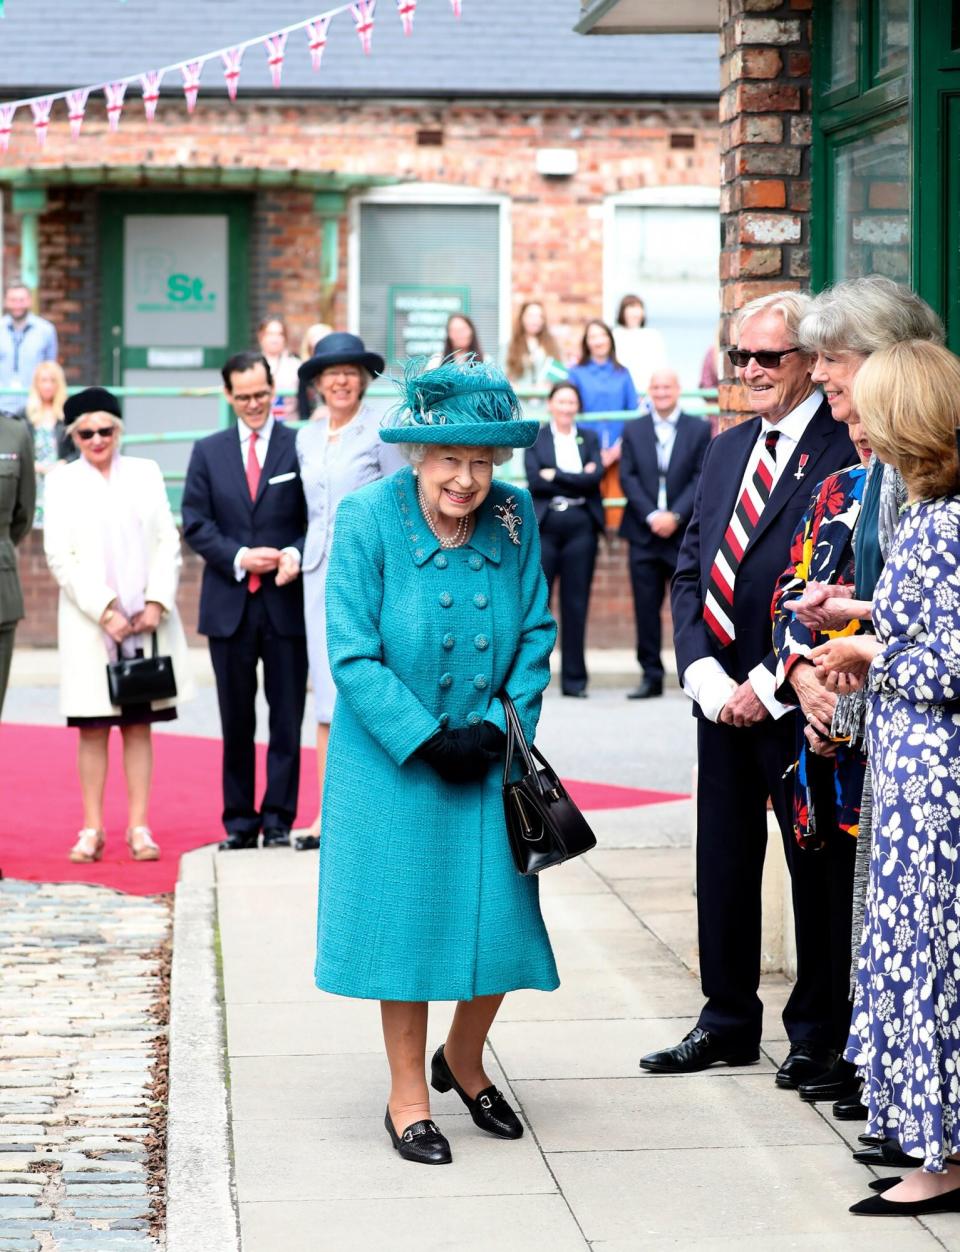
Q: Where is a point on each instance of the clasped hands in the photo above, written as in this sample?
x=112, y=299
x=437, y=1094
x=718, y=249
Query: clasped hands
x=464, y=755
x=827, y=606
x=145, y=622
x=266, y=560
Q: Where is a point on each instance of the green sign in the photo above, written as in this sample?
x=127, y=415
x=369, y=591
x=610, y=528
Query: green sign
x=417, y=318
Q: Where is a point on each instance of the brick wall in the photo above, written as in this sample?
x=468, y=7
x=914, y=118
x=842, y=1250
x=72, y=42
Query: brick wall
x=765, y=131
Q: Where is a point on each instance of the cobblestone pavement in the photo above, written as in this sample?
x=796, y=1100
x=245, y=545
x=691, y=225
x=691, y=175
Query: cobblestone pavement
x=82, y=971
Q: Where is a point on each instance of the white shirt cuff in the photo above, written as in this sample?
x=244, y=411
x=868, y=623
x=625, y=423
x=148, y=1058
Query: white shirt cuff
x=765, y=684
x=293, y=554
x=239, y=572
x=709, y=685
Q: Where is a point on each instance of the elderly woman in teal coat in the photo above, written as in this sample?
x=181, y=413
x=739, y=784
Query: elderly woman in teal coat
x=436, y=603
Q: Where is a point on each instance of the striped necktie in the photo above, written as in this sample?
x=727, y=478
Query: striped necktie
x=718, y=602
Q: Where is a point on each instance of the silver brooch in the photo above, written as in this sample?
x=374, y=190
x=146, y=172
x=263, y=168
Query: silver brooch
x=509, y=520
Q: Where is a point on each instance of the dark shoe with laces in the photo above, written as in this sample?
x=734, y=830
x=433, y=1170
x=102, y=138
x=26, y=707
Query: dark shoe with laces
x=236, y=841
x=278, y=838
x=489, y=1109
x=805, y=1062
x=699, y=1050
x=850, y=1108
x=839, y=1083
x=422, y=1142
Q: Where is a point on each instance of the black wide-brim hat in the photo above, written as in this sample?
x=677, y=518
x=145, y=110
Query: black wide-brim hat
x=340, y=348
x=91, y=400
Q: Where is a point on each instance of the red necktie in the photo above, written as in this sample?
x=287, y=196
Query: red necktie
x=718, y=602
x=253, y=482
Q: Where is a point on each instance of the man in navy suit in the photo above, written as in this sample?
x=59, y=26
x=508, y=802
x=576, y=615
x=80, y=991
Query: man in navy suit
x=244, y=513
x=660, y=461
x=755, y=484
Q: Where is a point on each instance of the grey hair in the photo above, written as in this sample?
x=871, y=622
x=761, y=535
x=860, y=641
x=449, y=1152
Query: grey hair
x=117, y=421
x=867, y=314
x=792, y=306
x=415, y=452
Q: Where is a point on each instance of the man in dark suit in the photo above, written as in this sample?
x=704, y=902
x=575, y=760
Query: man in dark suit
x=660, y=461
x=755, y=484
x=244, y=513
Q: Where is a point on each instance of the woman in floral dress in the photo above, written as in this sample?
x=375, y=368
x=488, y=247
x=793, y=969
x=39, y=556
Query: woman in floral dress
x=905, y=1033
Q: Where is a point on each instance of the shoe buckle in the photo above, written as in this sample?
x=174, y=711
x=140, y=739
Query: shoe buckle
x=408, y=1136
x=486, y=1102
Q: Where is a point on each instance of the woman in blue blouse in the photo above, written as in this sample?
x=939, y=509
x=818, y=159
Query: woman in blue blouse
x=604, y=385
x=436, y=603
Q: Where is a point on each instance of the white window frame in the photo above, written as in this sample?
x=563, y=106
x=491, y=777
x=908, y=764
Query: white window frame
x=434, y=194
x=675, y=196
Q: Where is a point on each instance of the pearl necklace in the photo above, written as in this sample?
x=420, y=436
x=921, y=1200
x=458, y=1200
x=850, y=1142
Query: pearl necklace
x=460, y=534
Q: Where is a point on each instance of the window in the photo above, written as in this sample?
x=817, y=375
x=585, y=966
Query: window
x=870, y=177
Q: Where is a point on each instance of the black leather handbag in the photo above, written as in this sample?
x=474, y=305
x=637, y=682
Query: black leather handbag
x=141, y=679
x=544, y=825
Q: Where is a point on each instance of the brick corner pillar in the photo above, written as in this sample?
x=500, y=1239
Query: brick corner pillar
x=765, y=133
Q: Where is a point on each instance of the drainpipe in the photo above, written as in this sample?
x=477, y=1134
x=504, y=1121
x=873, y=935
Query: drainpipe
x=329, y=207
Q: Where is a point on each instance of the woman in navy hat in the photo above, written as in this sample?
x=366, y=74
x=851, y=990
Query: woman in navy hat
x=338, y=453
x=436, y=604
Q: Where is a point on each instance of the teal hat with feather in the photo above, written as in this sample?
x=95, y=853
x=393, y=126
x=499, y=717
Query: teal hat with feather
x=467, y=403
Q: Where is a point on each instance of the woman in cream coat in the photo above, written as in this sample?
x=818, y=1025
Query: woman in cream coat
x=112, y=545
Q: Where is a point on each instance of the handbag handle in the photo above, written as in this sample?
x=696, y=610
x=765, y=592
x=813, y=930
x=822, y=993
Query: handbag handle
x=515, y=740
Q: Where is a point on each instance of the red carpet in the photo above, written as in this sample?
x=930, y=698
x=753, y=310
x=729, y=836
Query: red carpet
x=40, y=806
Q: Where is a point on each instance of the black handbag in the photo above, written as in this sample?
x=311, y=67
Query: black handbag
x=544, y=825
x=141, y=679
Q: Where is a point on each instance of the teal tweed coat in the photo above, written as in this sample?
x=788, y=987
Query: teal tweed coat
x=419, y=897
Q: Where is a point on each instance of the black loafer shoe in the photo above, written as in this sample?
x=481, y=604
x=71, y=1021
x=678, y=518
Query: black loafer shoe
x=649, y=689
x=422, y=1142
x=234, y=842
x=877, y=1206
x=805, y=1062
x=276, y=838
x=575, y=695
x=306, y=843
x=489, y=1110
x=699, y=1050
x=887, y=1153
x=849, y=1109
x=839, y=1083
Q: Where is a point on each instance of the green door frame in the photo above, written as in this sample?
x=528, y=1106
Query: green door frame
x=114, y=208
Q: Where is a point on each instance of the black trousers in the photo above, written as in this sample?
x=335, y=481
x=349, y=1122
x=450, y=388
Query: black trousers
x=568, y=550
x=738, y=770
x=285, y=686
x=649, y=577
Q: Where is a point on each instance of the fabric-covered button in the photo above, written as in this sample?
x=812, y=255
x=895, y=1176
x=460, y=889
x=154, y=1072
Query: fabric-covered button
x=476, y=561
x=481, y=682
x=445, y=598
x=480, y=600
x=474, y=719
x=481, y=643
x=446, y=680
x=440, y=561
x=444, y=720
x=448, y=642
x=418, y=553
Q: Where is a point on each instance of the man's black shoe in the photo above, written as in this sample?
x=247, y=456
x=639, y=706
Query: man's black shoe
x=276, y=838
x=699, y=1050
x=838, y=1083
x=849, y=1109
x=805, y=1062
x=648, y=689
x=234, y=842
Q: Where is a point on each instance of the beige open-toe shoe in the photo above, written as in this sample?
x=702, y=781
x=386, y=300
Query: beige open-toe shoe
x=141, y=844
x=89, y=846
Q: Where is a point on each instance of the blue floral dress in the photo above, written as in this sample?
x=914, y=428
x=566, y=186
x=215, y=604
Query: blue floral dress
x=905, y=1031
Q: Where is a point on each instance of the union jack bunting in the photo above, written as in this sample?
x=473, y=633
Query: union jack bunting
x=114, y=93
x=191, y=71
x=317, y=38
x=6, y=124
x=231, y=69
x=76, y=107
x=150, y=86
x=41, y=117
x=275, y=45
x=457, y=7
x=406, y=9
x=718, y=602
x=363, y=12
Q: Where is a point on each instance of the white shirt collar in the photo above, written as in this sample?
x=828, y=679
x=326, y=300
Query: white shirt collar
x=558, y=435
x=671, y=417
x=795, y=423
x=263, y=433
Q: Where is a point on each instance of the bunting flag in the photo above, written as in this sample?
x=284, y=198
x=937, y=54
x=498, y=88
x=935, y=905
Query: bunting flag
x=41, y=117
x=231, y=69
x=76, y=107
x=191, y=71
x=317, y=38
x=363, y=12
x=275, y=45
x=457, y=7
x=114, y=93
x=406, y=9
x=6, y=124
x=150, y=86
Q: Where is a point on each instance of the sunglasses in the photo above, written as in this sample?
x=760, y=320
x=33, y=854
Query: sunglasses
x=105, y=432
x=740, y=357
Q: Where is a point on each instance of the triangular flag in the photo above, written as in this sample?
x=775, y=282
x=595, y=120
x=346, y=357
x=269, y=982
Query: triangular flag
x=457, y=7
x=317, y=35
x=406, y=9
x=274, y=45
x=191, y=71
x=363, y=12
x=150, y=86
x=231, y=69
x=76, y=107
x=41, y=117
x=114, y=93
x=6, y=124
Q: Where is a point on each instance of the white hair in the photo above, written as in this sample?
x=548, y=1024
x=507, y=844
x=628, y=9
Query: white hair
x=792, y=306
x=867, y=314
x=415, y=452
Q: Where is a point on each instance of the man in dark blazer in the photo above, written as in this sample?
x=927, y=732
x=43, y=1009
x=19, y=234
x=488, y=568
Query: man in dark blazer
x=755, y=485
x=244, y=513
x=660, y=461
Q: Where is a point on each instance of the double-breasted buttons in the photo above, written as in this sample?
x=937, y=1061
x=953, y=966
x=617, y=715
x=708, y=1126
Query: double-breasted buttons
x=474, y=719
x=481, y=643
x=444, y=720
x=475, y=561
x=446, y=680
x=481, y=682
x=480, y=600
x=448, y=642
x=445, y=599
x=440, y=561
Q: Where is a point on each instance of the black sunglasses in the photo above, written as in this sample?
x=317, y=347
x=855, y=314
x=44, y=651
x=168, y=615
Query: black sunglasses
x=740, y=357
x=105, y=432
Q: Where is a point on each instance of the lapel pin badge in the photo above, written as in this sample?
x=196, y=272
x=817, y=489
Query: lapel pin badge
x=804, y=458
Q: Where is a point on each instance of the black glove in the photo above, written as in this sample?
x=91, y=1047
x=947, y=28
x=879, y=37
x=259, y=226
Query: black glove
x=462, y=756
